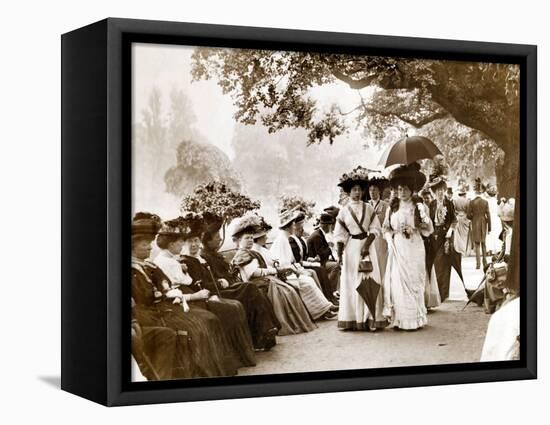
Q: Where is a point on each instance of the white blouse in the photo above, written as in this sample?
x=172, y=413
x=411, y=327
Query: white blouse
x=171, y=267
x=346, y=225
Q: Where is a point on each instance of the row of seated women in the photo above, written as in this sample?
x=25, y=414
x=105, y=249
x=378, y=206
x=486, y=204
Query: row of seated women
x=196, y=315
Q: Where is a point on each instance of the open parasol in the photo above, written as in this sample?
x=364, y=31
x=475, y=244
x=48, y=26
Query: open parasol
x=408, y=150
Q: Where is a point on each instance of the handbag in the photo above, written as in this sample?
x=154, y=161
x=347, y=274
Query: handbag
x=365, y=265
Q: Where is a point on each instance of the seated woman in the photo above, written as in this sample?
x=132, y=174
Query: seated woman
x=261, y=320
x=253, y=267
x=200, y=348
x=230, y=312
x=314, y=299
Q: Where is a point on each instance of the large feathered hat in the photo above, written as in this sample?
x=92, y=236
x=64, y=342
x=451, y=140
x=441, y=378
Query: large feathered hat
x=378, y=179
x=263, y=229
x=358, y=176
x=408, y=175
x=191, y=225
x=175, y=226
x=145, y=223
x=249, y=223
x=286, y=217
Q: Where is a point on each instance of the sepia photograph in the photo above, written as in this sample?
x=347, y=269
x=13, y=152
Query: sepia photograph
x=302, y=211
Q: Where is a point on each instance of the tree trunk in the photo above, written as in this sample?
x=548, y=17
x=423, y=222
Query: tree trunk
x=507, y=173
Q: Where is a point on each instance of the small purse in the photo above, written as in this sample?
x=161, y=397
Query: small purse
x=365, y=265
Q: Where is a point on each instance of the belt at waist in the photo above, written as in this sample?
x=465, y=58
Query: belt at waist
x=360, y=236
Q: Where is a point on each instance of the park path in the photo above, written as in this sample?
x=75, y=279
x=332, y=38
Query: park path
x=453, y=335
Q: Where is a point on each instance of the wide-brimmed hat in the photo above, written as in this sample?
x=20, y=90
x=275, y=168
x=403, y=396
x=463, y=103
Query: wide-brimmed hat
x=408, y=175
x=378, y=179
x=286, y=217
x=436, y=181
x=249, y=223
x=145, y=223
x=175, y=226
x=358, y=176
x=463, y=189
x=191, y=225
x=263, y=229
x=332, y=210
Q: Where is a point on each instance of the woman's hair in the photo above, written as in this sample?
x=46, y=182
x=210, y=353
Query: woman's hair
x=164, y=240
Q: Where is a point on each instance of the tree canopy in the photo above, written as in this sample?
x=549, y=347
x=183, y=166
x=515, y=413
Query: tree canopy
x=274, y=89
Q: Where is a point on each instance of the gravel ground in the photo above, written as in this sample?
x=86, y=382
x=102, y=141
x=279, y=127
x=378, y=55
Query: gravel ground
x=451, y=336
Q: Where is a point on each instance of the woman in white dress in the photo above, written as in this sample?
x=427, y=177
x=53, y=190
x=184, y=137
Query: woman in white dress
x=407, y=220
x=281, y=251
x=357, y=226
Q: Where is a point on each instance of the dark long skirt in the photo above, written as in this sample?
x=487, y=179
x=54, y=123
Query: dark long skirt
x=202, y=349
x=287, y=305
x=262, y=322
x=155, y=352
x=233, y=318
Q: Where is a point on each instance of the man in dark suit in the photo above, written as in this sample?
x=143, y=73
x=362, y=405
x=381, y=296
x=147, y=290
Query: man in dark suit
x=481, y=223
x=317, y=246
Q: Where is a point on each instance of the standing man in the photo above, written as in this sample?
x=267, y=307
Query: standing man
x=318, y=247
x=480, y=216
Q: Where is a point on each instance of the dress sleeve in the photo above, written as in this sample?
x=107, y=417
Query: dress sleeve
x=253, y=269
x=341, y=232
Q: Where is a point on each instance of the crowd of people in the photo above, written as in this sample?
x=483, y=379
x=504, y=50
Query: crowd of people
x=381, y=259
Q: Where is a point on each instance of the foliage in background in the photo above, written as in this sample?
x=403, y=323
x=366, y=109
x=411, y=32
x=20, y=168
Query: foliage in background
x=289, y=202
x=274, y=89
x=199, y=163
x=218, y=199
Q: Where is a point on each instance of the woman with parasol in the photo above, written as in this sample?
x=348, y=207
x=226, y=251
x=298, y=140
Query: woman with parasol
x=356, y=228
x=407, y=222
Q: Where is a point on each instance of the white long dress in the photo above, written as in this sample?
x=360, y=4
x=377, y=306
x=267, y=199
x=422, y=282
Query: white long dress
x=312, y=296
x=354, y=313
x=406, y=276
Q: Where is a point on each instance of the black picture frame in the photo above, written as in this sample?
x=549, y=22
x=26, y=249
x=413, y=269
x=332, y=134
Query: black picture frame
x=96, y=181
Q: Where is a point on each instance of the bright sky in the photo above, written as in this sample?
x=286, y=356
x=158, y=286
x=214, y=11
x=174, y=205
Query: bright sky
x=168, y=66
